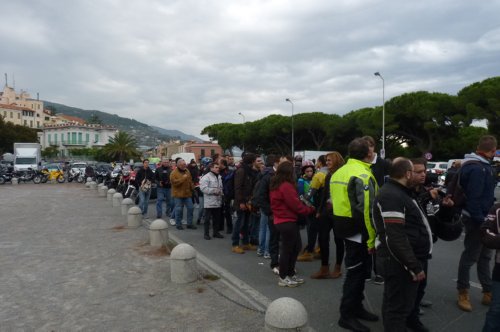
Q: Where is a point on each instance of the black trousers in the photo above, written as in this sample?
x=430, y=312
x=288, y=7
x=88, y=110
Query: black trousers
x=214, y=214
x=227, y=216
x=274, y=242
x=420, y=294
x=312, y=228
x=356, y=257
x=400, y=292
x=325, y=227
x=291, y=244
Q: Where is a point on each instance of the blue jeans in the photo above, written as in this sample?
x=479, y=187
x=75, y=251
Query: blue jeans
x=163, y=195
x=179, y=206
x=254, y=228
x=492, y=322
x=144, y=201
x=240, y=225
x=264, y=234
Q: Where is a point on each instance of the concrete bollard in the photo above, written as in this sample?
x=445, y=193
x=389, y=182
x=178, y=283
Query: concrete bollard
x=87, y=185
x=286, y=314
x=134, y=217
x=117, y=199
x=126, y=204
x=158, y=233
x=183, y=266
x=15, y=181
x=93, y=185
x=103, y=191
x=89, y=179
x=110, y=194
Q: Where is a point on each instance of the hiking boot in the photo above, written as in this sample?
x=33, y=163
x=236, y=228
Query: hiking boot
x=317, y=253
x=287, y=282
x=248, y=247
x=486, y=298
x=464, y=300
x=336, y=273
x=323, y=273
x=237, y=250
x=306, y=256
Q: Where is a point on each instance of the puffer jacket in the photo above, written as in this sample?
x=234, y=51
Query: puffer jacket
x=211, y=187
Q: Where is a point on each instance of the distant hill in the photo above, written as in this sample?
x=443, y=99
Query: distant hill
x=145, y=134
x=177, y=133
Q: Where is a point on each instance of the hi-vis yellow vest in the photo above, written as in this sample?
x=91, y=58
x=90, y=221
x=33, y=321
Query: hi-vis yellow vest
x=340, y=197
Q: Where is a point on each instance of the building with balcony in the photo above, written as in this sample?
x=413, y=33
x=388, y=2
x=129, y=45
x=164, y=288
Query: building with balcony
x=71, y=135
x=200, y=150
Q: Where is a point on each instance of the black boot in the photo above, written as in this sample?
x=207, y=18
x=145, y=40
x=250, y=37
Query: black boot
x=352, y=324
x=207, y=237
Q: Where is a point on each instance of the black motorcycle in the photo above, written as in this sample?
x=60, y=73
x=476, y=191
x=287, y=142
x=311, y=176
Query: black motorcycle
x=26, y=175
x=6, y=176
x=75, y=174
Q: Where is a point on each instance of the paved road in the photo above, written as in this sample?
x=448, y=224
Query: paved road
x=63, y=267
x=322, y=297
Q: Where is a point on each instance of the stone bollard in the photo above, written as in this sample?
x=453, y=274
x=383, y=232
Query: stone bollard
x=15, y=181
x=93, y=185
x=134, y=217
x=89, y=179
x=126, y=204
x=117, y=199
x=158, y=233
x=183, y=267
x=87, y=185
x=103, y=191
x=110, y=194
x=286, y=314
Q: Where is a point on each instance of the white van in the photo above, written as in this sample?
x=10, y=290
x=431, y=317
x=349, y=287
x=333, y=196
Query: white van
x=187, y=156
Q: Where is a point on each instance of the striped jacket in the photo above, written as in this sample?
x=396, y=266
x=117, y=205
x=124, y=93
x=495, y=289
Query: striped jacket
x=402, y=228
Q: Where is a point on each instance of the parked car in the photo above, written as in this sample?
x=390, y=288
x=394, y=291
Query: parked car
x=437, y=167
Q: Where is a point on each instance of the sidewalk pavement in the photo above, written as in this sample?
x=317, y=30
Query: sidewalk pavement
x=68, y=265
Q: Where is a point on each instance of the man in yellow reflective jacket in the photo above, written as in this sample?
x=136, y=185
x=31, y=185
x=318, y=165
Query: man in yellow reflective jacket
x=352, y=190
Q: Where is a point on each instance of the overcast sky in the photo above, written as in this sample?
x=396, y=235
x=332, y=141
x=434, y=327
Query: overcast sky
x=187, y=64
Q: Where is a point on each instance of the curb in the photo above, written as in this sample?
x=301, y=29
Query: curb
x=254, y=297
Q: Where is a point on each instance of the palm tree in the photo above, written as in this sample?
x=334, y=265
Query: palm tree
x=121, y=147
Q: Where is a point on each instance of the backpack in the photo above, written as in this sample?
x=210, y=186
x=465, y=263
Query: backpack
x=455, y=189
x=228, y=185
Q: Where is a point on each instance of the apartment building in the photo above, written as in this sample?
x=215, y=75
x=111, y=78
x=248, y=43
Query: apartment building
x=72, y=135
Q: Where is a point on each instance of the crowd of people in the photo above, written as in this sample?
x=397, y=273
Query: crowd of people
x=383, y=216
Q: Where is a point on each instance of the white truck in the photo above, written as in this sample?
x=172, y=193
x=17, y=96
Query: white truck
x=27, y=155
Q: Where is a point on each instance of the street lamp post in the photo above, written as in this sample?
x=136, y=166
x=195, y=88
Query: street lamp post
x=382, y=151
x=244, y=121
x=293, y=145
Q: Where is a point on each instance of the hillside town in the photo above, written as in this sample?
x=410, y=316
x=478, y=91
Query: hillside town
x=67, y=133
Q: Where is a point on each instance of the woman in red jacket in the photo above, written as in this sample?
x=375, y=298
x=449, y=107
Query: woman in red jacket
x=286, y=207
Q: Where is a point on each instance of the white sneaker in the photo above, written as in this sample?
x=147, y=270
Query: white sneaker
x=172, y=222
x=287, y=282
x=184, y=222
x=297, y=279
x=276, y=271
